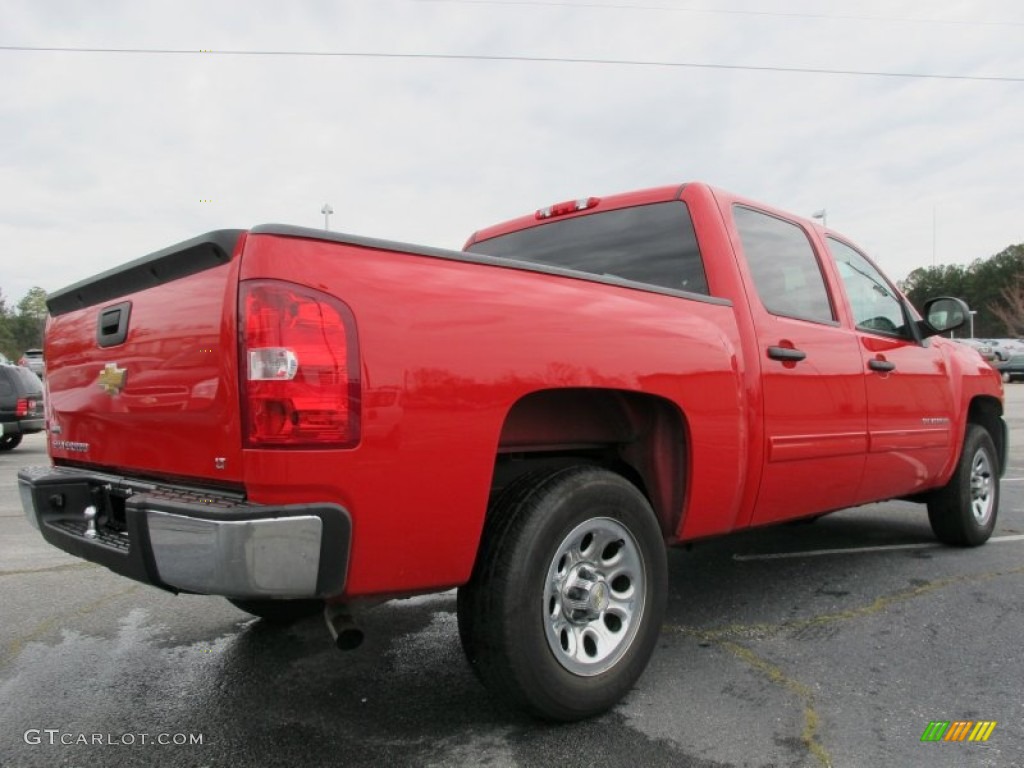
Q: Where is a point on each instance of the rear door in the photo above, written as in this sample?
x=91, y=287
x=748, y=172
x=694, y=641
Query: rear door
x=814, y=402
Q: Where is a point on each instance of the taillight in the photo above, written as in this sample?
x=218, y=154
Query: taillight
x=299, y=367
x=22, y=407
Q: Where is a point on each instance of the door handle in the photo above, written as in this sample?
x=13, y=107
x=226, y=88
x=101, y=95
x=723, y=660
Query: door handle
x=786, y=354
x=882, y=366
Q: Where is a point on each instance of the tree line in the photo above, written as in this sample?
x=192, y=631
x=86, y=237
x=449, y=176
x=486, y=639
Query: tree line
x=21, y=327
x=993, y=287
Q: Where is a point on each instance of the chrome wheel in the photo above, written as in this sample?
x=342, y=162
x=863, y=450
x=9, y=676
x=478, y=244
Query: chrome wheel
x=982, y=497
x=594, y=596
x=963, y=512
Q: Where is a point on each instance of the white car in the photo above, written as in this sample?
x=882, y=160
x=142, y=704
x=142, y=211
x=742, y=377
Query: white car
x=1005, y=348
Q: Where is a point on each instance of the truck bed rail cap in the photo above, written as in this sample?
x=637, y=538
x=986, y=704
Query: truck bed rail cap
x=176, y=261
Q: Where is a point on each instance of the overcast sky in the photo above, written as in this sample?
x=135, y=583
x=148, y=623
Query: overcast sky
x=105, y=157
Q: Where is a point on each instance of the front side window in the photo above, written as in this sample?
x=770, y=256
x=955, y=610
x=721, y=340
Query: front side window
x=876, y=305
x=653, y=244
x=785, y=270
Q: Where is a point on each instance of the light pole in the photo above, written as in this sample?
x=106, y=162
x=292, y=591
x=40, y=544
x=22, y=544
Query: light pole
x=823, y=215
x=973, y=313
x=327, y=211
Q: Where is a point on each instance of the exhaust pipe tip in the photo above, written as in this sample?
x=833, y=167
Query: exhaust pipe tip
x=349, y=639
x=344, y=631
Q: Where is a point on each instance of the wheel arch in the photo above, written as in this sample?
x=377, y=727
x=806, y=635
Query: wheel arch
x=641, y=436
x=987, y=412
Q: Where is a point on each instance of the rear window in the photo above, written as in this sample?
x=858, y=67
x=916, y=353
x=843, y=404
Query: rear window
x=25, y=382
x=653, y=244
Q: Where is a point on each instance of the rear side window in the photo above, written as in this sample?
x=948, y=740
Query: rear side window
x=6, y=387
x=653, y=244
x=786, y=272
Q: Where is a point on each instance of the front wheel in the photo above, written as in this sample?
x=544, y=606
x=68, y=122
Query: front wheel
x=963, y=513
x=567, y=598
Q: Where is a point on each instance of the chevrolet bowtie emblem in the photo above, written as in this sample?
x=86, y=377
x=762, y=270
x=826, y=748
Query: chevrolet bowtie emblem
x=112, y=379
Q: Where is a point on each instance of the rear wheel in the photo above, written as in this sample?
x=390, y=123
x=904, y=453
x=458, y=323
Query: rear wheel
x=963, y=513
x=567, y=598
x=9, y=442
x=279, y=611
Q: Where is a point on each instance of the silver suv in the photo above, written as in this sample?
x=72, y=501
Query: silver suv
x=33, y=360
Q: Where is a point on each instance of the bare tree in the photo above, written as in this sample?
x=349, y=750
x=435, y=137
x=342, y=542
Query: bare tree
x=1009, y=308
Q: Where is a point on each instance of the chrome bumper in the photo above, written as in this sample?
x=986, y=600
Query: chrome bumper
x=190, y=541
x=275, y=557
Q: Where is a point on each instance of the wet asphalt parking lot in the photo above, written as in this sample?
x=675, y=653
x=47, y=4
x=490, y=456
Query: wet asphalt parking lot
x=776, y=652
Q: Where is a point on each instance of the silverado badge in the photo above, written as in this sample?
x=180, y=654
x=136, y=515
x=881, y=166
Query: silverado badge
x=112, y=378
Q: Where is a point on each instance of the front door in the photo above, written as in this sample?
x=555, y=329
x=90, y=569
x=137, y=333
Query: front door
x=910, y=403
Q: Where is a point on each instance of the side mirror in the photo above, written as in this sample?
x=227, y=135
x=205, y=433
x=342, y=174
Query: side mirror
x=943, y=315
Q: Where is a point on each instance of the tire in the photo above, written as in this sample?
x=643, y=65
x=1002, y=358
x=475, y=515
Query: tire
x=568, y=594
x=9, y=442
x=279, y=611
x=963, y=513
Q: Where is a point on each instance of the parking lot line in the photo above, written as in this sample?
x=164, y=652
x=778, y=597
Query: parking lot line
x=861, y=550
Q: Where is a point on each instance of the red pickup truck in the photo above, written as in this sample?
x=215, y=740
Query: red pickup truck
x=304, y=421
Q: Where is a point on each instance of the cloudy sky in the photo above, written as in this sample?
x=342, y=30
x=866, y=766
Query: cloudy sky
x=108, y=156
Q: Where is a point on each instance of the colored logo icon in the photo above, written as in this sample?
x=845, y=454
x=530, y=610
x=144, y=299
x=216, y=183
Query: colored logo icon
x=958, y=730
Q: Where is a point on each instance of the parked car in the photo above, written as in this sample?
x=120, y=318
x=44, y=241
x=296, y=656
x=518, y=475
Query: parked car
x=984, y=348
x=1012, y=369
x=33, y=360
x=999, y=354
x=21, y=405
x=1004, y=349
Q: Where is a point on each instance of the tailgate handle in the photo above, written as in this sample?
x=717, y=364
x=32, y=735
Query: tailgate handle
x=112, y=327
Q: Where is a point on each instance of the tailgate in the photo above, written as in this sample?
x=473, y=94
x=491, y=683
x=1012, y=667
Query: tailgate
x=142, y=365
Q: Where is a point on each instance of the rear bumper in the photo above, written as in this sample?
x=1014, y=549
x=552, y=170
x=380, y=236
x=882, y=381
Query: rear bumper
x=190, y=540
x=22, y=426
